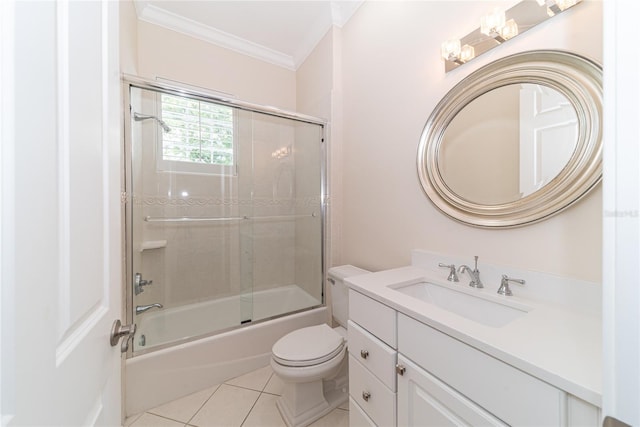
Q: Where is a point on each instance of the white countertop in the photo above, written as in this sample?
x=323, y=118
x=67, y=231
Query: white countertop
x=552, y=342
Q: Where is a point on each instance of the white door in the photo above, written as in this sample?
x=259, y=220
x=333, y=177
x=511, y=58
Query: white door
x=621, y=202
x=60, y=195
x=548, y=135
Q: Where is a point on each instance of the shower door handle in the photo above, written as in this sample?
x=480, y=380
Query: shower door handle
x=118, y=330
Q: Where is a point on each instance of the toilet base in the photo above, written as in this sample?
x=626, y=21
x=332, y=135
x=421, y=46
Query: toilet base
x=303, y=403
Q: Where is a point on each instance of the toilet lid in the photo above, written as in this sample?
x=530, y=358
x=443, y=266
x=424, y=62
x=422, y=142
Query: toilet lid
x=308, y=346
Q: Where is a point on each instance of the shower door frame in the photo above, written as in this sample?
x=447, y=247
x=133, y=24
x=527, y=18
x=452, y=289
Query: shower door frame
x=128, y=82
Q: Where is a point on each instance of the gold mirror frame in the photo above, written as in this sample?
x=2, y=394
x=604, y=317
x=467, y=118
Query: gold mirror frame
x=579, y=79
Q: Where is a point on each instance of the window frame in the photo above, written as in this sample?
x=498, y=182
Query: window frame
x=190, y=167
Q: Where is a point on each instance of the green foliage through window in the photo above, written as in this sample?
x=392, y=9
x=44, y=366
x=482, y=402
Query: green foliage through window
x=201, y=132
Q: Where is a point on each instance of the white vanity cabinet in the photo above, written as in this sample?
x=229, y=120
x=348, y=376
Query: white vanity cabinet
x=406, y=373
x=447, y=382
x=372, y=361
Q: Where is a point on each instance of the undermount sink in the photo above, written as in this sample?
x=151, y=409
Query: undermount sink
x=481, y=310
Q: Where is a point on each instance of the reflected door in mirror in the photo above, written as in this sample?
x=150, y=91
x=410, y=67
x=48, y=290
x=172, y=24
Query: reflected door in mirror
x=508, y=143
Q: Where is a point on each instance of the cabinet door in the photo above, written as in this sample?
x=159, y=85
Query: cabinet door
x=425, y=401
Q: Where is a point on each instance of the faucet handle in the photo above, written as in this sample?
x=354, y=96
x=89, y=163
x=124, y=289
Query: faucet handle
x=504, y=285
x=139, y=282
x=453, y=276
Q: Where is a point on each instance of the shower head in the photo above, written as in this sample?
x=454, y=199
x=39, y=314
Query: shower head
x=140, y=117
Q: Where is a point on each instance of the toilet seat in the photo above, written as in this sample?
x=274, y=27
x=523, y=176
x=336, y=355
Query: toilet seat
x=308, y=346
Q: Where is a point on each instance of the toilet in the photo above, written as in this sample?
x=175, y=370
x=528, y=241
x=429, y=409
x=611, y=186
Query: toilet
x=312, y=362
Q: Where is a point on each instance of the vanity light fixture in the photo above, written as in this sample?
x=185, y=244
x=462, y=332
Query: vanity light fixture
x=492, y=23
x=499, y=26
x=510, y=29
x=467, y=53
x=452, y=51
x=555, y=7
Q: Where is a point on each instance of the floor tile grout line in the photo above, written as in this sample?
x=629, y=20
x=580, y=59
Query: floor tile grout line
x=188, y=423
x=164, y=417
x=245, y=388
x=267, y=383
x=249, y=413
x=204, y=403
x=271, y=394
x=137, y=417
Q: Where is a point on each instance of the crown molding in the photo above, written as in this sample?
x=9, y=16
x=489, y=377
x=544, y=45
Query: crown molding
x=337, y=14
x=155, y=15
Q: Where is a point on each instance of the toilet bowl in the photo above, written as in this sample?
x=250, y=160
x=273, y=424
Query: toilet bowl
x=312, y=362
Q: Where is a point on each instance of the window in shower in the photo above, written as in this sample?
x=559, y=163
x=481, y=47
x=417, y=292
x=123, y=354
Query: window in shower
x=201, y=139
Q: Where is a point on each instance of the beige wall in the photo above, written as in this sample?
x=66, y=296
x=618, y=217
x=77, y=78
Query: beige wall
x=175, y=56
x=317, y=89
x=128, y=37
x=479, y=157
x=392, y=79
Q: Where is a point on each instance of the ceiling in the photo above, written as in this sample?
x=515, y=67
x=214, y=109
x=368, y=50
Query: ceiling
x=279, y=32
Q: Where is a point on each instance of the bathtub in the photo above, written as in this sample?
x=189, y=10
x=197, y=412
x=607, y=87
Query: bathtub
x=160, y=376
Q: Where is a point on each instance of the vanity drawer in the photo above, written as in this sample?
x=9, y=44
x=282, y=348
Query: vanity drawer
x=373, y=354
x=373, y=316
x=506, y=392
x=377, y=401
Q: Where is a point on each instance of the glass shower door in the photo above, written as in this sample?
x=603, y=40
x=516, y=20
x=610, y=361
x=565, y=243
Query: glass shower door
x=287, y=158
x=185, y=219
x=225, y=216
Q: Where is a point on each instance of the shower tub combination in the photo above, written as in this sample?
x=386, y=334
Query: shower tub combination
x=224, y=236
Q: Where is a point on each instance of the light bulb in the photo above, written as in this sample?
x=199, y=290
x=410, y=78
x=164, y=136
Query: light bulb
x=509, y=30
x=467, y=53
x=566, y=4
x=491, y=23
x=450, y=50
x=558, y=6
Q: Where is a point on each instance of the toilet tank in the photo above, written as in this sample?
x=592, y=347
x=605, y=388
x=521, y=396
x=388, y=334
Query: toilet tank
x=339, y=291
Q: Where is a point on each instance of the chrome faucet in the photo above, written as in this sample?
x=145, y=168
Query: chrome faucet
x=475, y=274
x=504, y=285
x=453, y=277
x=142, y=308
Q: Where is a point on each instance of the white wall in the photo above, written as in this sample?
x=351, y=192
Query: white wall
x=392, y=79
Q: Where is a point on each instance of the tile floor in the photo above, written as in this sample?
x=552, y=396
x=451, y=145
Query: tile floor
x=245, y=401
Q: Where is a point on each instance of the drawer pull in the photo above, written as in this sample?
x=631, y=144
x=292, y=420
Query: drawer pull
x=366, y=395
x=364, y=354
x=400, y=369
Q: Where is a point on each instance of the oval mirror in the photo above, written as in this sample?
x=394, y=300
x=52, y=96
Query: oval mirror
x=516, y=141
